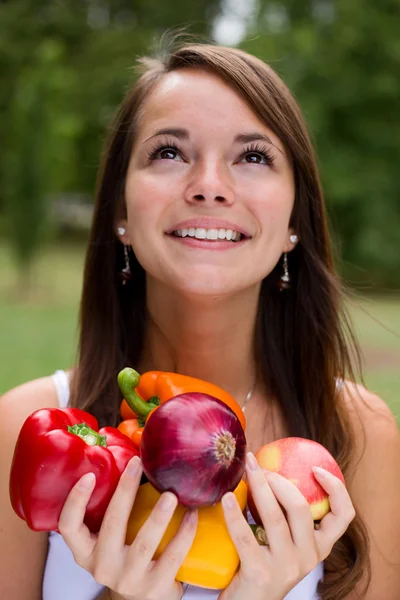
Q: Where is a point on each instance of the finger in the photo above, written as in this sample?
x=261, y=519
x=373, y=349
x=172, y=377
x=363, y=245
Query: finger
x=151, y=533
x=111, y=538
x=175, y=553
x=271, y=514
x=240, y=532
x=298, y=513
x=71, y=526
x=336, y=522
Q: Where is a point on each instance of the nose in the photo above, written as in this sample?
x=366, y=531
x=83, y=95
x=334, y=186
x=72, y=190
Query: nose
x=209, y=185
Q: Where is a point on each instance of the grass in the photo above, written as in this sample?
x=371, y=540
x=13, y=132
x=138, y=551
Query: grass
x=38, y=333
x=377, y=325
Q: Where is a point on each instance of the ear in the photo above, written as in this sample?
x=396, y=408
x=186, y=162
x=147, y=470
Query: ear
x=292, y=240
x=121, y=231
x=121, y=222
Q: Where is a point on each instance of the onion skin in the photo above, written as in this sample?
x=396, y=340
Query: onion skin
x=194, y=446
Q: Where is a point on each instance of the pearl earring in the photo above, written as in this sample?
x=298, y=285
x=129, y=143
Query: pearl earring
x=121, y=230
x=293, y=239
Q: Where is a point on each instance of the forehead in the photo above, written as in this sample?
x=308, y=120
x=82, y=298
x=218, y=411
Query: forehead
x=192, y=97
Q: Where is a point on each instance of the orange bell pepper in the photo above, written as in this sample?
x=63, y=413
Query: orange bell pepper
x=142, y=393
x=129, y=427
x=212, y=560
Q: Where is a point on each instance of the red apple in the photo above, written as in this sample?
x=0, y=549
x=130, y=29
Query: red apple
x=294, y=459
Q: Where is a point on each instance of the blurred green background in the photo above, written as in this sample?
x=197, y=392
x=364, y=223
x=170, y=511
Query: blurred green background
x=64, y=66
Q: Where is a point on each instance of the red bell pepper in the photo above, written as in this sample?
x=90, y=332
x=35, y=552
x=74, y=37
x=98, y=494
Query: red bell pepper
x=55, y=448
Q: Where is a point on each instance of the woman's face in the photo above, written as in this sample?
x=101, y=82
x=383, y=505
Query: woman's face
x=209, y=189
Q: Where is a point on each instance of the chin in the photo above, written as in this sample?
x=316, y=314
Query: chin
x=209, y=286
x=201, y=280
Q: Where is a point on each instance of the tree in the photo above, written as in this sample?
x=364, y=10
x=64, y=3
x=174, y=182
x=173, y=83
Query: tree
x=64, y=68
x=342, y=60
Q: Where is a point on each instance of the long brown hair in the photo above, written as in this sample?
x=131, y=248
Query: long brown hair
x=303, y=341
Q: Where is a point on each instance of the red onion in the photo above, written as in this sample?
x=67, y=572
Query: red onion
x=194, y=446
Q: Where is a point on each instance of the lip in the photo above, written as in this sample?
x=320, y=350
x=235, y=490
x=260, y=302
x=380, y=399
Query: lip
x=214, y=246
x=208, y=223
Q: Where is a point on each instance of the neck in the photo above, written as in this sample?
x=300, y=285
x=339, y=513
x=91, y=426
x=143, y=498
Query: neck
x=209, y=338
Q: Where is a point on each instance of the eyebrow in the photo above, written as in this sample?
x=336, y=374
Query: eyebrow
x=241, y=138
x=181, y=134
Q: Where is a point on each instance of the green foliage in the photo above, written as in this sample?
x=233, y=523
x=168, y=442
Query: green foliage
x=36, y=143
x=64, y=66
x=342, y=59
x=64, y=69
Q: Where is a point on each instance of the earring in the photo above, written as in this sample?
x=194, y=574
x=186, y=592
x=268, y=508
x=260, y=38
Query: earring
x=293, y=239
x=121, y=230
x=126, y=274
x=284, y=282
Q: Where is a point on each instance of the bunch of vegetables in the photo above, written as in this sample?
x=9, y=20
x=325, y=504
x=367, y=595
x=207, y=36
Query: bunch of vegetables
x=190, y=434
x=143, y=393
x=192, y=441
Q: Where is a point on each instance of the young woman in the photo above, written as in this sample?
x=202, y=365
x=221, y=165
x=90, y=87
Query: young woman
x=209, y=204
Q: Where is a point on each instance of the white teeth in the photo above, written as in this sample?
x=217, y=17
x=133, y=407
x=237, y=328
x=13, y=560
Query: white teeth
x=212, y=234
x=201, y=233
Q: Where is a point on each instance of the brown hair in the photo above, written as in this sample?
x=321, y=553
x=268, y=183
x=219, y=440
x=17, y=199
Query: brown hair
x=303, y=339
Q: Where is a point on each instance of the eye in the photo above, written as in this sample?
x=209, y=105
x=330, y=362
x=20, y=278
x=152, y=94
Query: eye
x=255, y=158
x=258, y=155
x=169, y=153
x=164, y=151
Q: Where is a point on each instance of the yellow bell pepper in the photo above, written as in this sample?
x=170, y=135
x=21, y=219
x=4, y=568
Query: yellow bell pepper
x=212, y=560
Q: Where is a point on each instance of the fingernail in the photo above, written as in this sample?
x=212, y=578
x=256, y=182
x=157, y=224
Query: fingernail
x=166, y=501
x=133, y=466
x=191, y=517
x=251, y=461
x=229, y=500
x=321, y=473
x=86, y=482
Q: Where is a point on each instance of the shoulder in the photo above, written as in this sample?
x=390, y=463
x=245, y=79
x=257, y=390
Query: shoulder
x=18, y=403
x=373, y=422
x=373, y=481
x=374, y=475
x=24, y=547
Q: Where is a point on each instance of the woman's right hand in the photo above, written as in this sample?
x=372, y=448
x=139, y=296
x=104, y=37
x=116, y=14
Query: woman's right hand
x=128, y=571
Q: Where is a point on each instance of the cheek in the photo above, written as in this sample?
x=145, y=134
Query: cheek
x=273, y=207
x=145, y=198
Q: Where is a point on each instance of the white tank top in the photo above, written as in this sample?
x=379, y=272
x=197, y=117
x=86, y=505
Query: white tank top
x=64, y=579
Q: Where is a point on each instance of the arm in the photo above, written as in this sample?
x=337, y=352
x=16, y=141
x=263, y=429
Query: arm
x=23, y=551
x=374, y=485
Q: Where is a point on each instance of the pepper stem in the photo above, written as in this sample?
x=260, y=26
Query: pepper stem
x=88, y=435
x=128, y=380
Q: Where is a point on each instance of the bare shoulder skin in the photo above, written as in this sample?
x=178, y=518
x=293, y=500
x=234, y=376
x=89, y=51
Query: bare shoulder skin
x=23, y=551
x=374, y=486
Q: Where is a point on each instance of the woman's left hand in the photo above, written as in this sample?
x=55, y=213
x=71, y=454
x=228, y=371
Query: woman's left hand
x=294, y=547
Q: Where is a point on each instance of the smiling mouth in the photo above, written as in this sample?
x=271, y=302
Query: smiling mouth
x=210, y=235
